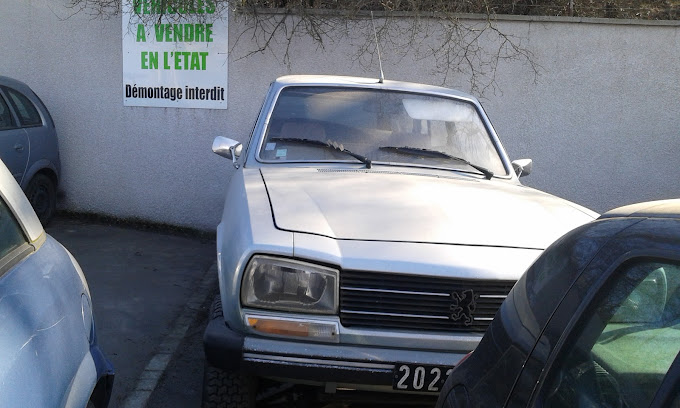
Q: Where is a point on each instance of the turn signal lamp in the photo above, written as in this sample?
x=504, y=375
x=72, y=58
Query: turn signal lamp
x=315, y=330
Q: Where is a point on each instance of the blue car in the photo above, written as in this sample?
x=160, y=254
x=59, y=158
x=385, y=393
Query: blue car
x=49, y=355
x=28, y=145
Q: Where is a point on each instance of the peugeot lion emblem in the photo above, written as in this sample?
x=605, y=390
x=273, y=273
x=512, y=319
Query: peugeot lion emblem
x=462, y=306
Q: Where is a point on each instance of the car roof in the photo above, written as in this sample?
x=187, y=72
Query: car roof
x=14, y=83
x=349, y=81
x=649, y=209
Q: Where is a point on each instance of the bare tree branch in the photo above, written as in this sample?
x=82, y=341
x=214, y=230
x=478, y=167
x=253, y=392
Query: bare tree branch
x=460, y=46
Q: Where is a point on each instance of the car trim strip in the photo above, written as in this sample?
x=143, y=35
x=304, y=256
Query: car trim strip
x=404, y=292
x=480, y=319
x=301, y=360
x=395, y=314
x=401, y=292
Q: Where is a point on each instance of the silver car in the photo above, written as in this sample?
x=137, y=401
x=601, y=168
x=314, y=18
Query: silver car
x=49, y=355
x=370, y=234
x=28, y=145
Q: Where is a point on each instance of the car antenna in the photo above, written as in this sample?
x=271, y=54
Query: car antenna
x=377, y=47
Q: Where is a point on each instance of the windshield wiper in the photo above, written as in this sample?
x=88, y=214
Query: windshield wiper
x=436, y=153
x=330, y=144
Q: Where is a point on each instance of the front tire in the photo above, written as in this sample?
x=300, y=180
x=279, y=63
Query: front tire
x=227, y=389
x=42, y=194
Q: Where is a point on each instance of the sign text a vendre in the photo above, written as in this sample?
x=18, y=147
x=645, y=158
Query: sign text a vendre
x=175, y=54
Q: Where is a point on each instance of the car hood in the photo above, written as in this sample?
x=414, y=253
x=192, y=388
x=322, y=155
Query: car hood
x=409, y=206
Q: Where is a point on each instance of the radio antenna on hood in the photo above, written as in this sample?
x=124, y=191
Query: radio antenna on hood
x=377, y=47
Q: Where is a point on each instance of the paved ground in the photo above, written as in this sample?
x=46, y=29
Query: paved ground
x=182, y=383
x=148, y=289
x=151, y=291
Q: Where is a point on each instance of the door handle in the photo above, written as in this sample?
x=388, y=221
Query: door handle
x=19, y=147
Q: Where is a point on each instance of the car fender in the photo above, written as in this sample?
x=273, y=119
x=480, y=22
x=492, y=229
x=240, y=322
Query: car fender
x=247, y=220
x=46, y=341
x=82, y=384
x=37, y=167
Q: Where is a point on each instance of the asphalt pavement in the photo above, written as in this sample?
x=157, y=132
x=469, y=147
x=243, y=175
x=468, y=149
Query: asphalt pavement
x=150, y=289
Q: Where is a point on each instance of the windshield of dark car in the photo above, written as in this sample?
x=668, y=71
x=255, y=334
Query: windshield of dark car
x=364, y=120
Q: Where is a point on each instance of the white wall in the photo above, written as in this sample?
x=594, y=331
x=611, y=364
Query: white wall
x=602, y=123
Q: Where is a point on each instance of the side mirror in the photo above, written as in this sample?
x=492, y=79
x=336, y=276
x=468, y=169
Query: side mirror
x=522, y=167
x=227, y=148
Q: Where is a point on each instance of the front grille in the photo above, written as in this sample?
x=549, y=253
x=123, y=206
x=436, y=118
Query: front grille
x=397, y=301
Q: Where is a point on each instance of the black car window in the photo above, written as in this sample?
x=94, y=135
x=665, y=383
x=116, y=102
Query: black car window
x=28, y=113
x=626, y=343
x=6, y=120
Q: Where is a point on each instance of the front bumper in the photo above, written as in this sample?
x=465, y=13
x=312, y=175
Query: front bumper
x=349, y=366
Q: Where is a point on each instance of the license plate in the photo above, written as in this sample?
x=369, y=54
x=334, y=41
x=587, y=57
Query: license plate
x=426, y=378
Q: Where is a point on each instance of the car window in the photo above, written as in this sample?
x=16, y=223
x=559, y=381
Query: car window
x=6, y=120
x=11, y=235
x=378, y=124
x=28, y=113
x=626, y=343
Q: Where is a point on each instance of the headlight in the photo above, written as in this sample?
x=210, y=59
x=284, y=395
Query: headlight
x=288, y=285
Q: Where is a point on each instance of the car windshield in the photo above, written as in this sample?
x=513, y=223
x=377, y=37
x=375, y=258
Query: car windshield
x=383, y=127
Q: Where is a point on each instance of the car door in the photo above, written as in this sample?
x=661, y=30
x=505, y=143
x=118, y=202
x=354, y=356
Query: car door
x=14, y=148
x=668, y=395
x=621, y=349
x=612, y=339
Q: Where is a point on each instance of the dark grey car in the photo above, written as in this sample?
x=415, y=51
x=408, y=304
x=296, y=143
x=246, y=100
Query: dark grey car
x=595, y=322
x=28, y=145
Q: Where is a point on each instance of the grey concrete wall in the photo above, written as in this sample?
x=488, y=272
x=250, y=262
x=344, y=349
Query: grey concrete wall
x=601, y=122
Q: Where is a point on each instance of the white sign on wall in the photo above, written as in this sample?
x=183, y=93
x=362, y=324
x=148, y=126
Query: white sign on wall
x=175, y=54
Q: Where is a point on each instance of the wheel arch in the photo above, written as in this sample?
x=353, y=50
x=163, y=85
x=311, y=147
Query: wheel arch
x=41, y=167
